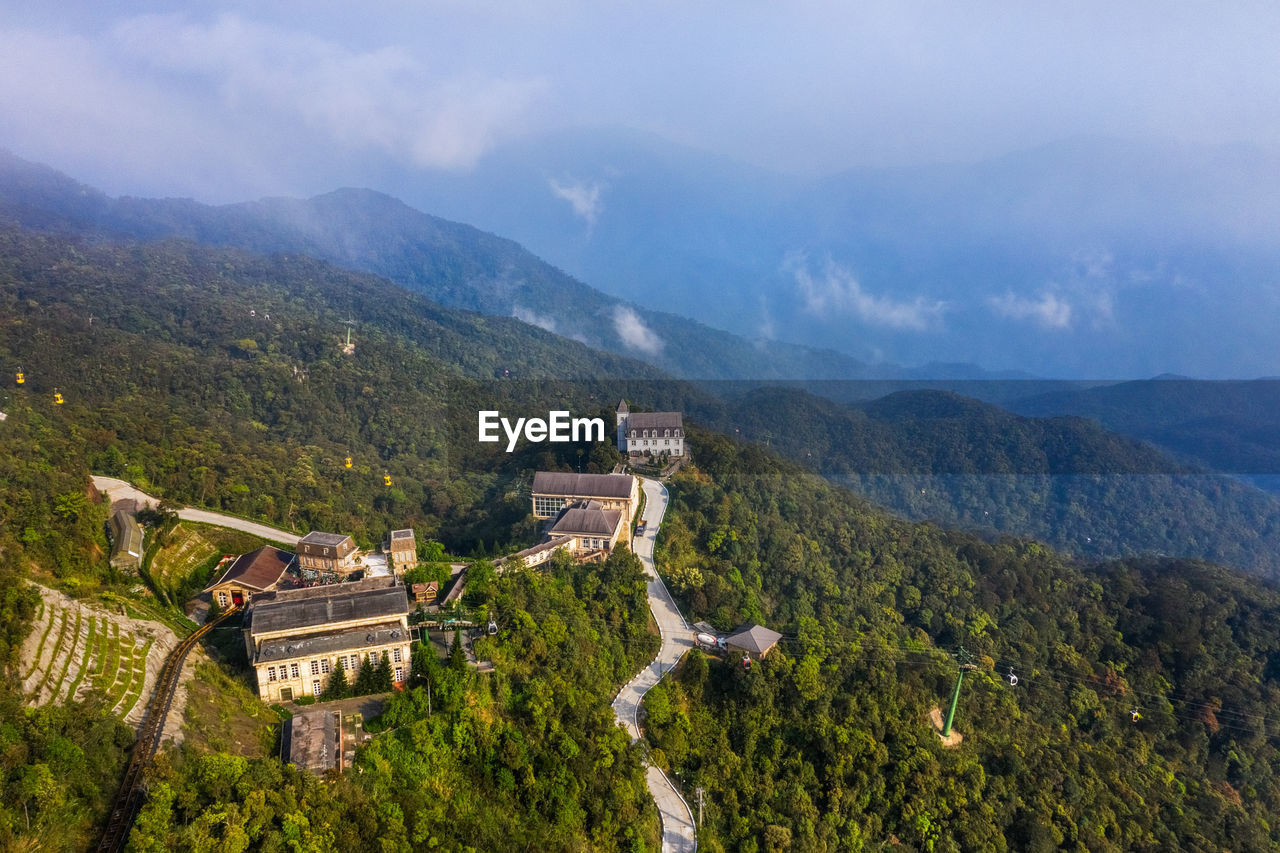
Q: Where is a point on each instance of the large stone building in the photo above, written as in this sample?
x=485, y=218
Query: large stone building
x=256, y=572
x=650, y=433
x=295, y=638
x=553, y=491
x=326, y=552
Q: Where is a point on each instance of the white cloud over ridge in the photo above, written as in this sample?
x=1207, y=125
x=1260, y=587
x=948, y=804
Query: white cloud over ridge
x=583, y=197
x=1046, y=310
x=634, y=333
x=527, y=315
x=838, y=291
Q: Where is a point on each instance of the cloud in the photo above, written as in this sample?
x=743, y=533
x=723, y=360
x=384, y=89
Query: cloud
x=526, y=315
x=584, y=198
x=383, y=98
x=1047, y=310
x=634, y=333
x=837, y=291
x=206, y=104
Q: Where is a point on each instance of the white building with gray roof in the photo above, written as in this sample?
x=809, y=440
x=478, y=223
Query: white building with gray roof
x=296, y=638
x=650, y=433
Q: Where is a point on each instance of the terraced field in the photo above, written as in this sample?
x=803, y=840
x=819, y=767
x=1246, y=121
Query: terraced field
x=74, y=648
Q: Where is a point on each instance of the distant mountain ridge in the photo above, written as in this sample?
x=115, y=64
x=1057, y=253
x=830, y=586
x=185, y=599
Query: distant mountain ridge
x=449, y=262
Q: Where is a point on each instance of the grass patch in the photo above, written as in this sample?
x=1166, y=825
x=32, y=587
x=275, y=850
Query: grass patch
x=224, y=715
x=53, y=657
x=70, y=655
x=112, y=665
x=90, y=648
x=35, y=663
x=137, y=681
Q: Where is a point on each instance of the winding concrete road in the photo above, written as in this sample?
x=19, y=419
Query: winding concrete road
x=116, y=490
x=678, y=832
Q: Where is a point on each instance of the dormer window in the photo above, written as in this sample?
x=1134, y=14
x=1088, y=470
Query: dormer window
x=666, y=433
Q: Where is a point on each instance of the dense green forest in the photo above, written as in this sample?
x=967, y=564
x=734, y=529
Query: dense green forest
x=1227, y=425
x=826, y=744
x=215, y=378
x=1066, y=481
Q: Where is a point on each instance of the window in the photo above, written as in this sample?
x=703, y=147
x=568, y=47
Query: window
x=399, y=674
x=666, y=432
x=326, y=552
x=547, y=506
x=667, y=441
x=324, y=666
x=293, y=670
x=395, y=656
x=355, y=662
x=271, y=673
x=315, y=687
x=222, y=599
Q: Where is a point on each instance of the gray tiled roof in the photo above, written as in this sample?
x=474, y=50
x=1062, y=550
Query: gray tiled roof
x=313, y=741
x=317, y=537
x=655, y=420
x=291, y=648
x=755, y=639
x=316, y=607
x=401, y=534
x=582, y=485
x=260, y=569
x=128, y=535
x=589, y=519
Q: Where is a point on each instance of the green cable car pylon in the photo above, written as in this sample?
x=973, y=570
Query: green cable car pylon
x=966, y=662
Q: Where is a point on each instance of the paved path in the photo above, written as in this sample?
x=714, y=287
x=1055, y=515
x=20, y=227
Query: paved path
x=120, y=490
x=678, y=834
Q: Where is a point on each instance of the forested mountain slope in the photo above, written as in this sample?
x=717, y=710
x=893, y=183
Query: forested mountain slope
x=826, y=744
x=1226, y=425
x=1063, y=480
x=218, y=378
x=448, y=262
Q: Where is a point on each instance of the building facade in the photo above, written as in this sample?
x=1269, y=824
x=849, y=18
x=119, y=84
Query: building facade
x=589, y=527
x=326, y=552
x=256, y=572
x=296, y=638
x=650, y=433
x=554, y=490
x=402, y=551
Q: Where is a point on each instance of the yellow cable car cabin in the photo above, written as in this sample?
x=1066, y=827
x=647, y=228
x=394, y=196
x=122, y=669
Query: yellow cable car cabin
x=386, y=479
x=347, y=464
x=22, y=377
x=57, y=399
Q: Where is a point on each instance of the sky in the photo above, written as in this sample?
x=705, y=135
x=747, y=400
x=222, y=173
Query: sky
x=225, y=101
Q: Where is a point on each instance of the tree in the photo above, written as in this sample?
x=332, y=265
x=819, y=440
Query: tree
x=457, y=657
x=382, y=681
x=338, y=688
x=365, y=680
